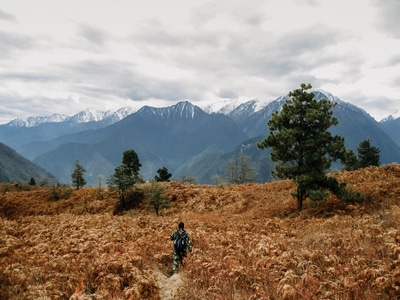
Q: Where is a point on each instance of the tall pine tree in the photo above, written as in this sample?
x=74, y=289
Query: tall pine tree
x=302, y=147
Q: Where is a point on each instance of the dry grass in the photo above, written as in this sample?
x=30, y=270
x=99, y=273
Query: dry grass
x=249, y=243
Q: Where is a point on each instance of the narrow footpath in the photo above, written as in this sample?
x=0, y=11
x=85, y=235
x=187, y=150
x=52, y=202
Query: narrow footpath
x=168, y=285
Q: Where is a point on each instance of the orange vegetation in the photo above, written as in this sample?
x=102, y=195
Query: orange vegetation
x=249, y=243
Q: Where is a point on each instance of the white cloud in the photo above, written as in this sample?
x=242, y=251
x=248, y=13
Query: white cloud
x=113, y=53
x=6, y=16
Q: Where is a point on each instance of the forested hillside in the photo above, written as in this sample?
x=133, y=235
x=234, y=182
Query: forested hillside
x=16, y=168
x=249, y=242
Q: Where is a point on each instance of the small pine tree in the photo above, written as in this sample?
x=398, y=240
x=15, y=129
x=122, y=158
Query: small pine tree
x=163, y=175
x=32, y=181
x=77, y=176
x=125, y=174
x=350, y=161
x=368, y=155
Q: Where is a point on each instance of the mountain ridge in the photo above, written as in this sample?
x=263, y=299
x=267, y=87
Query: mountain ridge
x=182, y=137
x=168, y=137
x=83, y=116
x=226, y=107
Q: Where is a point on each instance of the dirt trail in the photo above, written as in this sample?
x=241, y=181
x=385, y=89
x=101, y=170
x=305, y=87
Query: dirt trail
x=168, y=285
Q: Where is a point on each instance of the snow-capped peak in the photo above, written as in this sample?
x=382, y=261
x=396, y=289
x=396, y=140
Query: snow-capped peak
x=224, y=106
x=81, y=117
x=396, y=115
x=35, y=121
x=321, y=94
x=90, y=116
x=183, y=109
x=124, y=111
x=228, y=106
x=392, y=117
x=260, y=104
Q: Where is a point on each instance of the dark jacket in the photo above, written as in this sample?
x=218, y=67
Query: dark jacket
x=188, y=242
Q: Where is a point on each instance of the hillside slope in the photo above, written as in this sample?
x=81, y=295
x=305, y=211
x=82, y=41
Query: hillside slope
x=392, y=126
x=249, y=243
x=15, y=168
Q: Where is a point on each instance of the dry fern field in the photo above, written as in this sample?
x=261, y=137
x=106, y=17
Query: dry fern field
x=249, y=242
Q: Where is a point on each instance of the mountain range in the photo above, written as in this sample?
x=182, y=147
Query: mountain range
x=185, y=138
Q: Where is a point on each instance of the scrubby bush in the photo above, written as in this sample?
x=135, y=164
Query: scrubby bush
x=133, y=199
x=59, y=193
x=155, y=197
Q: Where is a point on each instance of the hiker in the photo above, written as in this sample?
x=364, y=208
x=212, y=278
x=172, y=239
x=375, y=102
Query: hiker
x=181, y=243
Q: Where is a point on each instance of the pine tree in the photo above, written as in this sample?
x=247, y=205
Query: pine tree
x=163, y=175
x=350, y=161
x=132, y=165
x=32, y=181
x=125, y=174
x=77, y=176
x=302, y=147
x=368, y=155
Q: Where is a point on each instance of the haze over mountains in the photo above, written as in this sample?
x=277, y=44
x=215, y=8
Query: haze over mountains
x=184, y=138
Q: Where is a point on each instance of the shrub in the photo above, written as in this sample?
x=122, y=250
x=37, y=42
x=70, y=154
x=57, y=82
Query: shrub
x=133, y=199
x=58, y=193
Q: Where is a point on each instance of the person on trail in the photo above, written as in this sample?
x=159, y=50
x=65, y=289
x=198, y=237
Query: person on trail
x=181, y=243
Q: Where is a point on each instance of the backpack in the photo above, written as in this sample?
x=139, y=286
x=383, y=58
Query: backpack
x=180, y=243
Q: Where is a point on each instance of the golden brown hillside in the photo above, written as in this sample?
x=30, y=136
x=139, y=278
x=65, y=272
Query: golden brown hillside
x=249, y=243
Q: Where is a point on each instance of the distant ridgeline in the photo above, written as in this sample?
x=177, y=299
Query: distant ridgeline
x=184, y=138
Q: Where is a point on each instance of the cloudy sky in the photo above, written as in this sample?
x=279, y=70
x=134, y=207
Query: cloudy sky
x=67, y=56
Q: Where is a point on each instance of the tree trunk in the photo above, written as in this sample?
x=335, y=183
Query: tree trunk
x=299, y=199
x=123, y=200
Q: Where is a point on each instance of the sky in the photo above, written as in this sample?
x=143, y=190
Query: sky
x=67, y=56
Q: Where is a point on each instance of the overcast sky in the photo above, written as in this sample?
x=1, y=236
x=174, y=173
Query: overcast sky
x=66, y=56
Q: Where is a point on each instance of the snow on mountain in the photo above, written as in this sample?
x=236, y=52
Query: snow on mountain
x=396, y=115
x=183, y=109
x=261, y=104
x=123, y=112
x=89, y=116
x=35, y=121
x=224, y=106
x=392, y=117
x=233, y=108
x=321, y=94
x=81, y=117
